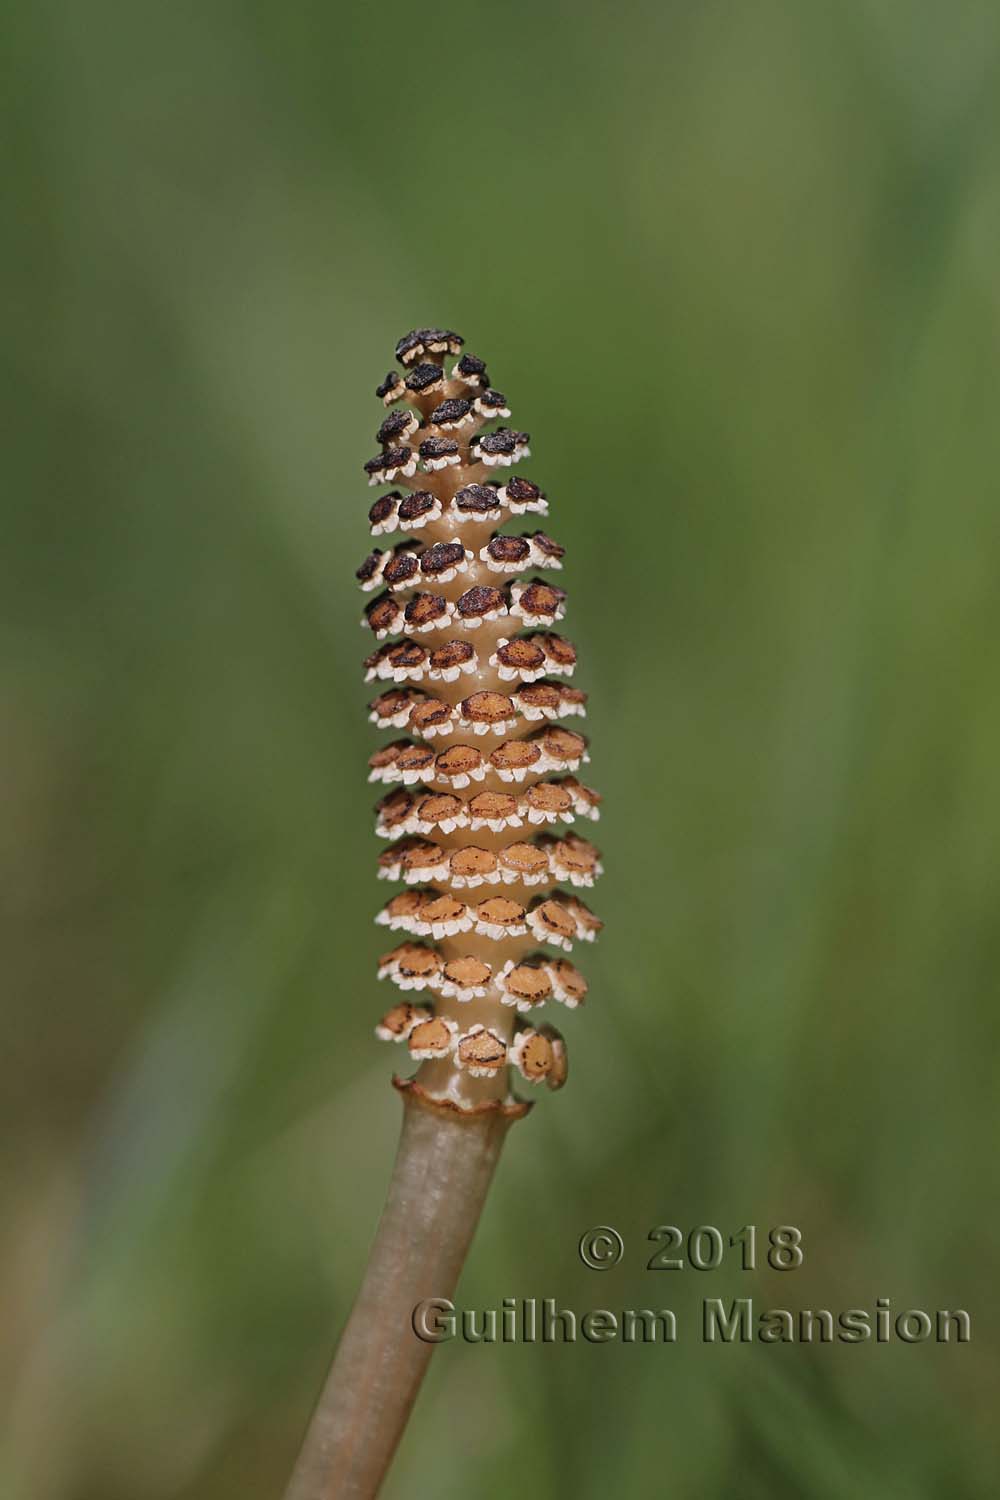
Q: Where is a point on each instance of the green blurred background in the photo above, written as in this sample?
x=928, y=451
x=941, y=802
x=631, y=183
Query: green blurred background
x=736, y=265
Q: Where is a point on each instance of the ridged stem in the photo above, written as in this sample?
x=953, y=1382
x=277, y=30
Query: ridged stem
x=444, y=1165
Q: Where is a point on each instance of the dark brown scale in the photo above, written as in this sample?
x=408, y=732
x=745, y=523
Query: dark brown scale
x=438, y=447
x=477, y=499
x=548, y=547
x=393, y=702
x=423, y=609
x=400, y=568
x=383, y=613
x=406, y=653
x=544, y=695
x=392, y=382
x=417, y=504
x=470, y=366
x=521, y=655
x=383, y=508
x=392, y=458
x=441, y=557
x=370, y=566
x=395, y=808
x=387, y=755
x=503, y=441
x=395, y=425
x=494, y=399
x=430, y=715
x=558, y=649
x=480, y=601
x=508, y=549
x=541, y=599
x=420, y=340
x=451, y=654
x=414, y=758
x=424, y=378
x=451, y=411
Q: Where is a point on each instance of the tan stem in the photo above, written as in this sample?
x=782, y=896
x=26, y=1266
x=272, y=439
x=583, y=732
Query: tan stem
x=443, y=1169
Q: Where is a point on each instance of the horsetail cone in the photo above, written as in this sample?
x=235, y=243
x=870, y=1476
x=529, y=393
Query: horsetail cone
x=481, y=810
x=483, y=803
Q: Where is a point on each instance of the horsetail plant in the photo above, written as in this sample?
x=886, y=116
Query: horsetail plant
x=479, y=820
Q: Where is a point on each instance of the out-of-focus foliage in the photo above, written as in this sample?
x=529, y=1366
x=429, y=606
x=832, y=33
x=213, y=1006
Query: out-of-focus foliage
x=736, y=265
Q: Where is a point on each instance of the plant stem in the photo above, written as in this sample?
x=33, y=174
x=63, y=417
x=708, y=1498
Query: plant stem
x=443, y=1169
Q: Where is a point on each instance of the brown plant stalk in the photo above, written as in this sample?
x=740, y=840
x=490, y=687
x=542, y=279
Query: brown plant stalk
x=479, y=821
